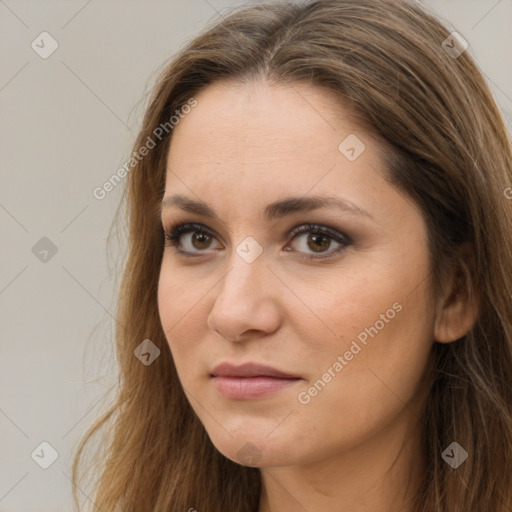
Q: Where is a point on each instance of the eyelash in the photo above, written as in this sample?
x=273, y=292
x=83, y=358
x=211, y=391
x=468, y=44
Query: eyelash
x=174, y=233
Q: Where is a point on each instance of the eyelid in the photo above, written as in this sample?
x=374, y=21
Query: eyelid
x=320, y=228
x=343, y=240
x=177, y=230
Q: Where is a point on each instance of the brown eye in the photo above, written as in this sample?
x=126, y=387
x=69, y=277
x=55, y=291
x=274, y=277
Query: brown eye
x=310, y=239
x=313, y=238
x=314, y=242
x=201, y=240
x=190, y=238
x=318, y=242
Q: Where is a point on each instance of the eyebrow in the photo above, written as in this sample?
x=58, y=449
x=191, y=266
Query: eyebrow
x=275, y=210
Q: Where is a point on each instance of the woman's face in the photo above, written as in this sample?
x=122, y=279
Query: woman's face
x=343, y=306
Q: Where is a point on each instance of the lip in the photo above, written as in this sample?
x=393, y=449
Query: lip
x=250, y=370
x=250, y=380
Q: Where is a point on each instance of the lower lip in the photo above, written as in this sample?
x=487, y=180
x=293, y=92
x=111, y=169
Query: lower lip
x=246, y=388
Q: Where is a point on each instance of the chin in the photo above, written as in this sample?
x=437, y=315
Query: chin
x=256, y=448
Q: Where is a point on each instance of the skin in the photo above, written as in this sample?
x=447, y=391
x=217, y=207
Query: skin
x=242, y=147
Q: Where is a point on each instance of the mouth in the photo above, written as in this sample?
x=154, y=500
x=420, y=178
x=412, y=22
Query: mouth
x=250, y=380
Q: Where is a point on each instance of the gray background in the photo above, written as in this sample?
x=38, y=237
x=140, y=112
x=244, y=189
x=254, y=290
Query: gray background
x=67, y=124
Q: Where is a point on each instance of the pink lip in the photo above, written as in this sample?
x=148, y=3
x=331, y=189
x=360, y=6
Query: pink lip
x=250, y=380
x=250, y=370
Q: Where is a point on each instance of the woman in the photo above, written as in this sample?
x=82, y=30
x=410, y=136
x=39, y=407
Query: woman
x=318, y=285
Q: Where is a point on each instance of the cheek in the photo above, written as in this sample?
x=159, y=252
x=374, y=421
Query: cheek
x=381, y=327
x=349, y=305
x=180, y=292
x=383, y=359
x=180, y=304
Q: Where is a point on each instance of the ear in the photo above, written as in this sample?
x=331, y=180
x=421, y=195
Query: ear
x=458, y=308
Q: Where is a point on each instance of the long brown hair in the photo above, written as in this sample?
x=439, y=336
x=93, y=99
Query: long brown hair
x=445, y=144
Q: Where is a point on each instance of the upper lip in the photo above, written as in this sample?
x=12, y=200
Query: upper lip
x=249, y=370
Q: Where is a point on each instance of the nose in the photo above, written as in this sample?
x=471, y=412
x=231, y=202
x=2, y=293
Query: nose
x=246, y=305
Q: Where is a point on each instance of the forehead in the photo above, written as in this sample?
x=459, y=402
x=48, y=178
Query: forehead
x=272, y=133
